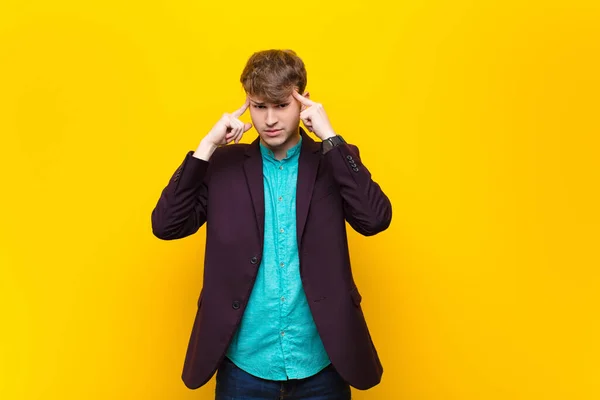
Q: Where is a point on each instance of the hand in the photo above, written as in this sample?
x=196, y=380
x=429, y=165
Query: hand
x=228, y=129
x=314, y=117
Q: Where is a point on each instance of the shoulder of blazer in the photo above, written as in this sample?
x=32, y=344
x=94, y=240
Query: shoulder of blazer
x=230, y=153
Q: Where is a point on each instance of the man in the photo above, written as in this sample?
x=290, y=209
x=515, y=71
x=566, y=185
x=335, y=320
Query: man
x=279, y=313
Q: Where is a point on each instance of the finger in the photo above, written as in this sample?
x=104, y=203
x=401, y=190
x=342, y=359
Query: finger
x=241, y=125
x=238, y=113
x=230, y=132
x=245, y=128
x=303, y=100
x=230, y=137
x=238, y=126
x=240, y=129
x=308, y=112
x=234, y=133
x=308, y=125
x=239, y=137
x=305, y=116
x=234, y=124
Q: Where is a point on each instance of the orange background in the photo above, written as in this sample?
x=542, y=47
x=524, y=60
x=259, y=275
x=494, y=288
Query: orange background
x=479, y=119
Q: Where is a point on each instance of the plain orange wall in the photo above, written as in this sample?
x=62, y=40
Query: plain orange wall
x=479, y=119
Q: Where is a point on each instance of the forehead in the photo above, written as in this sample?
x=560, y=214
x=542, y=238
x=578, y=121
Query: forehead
x=262, y=100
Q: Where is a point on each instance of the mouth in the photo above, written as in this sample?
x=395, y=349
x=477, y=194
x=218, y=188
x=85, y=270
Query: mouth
x=272, y=132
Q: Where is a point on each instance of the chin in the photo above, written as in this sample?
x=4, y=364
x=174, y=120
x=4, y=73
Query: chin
x=274, y=141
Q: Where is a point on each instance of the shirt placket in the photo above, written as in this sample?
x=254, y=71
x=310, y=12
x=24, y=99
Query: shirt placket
x=282, y=253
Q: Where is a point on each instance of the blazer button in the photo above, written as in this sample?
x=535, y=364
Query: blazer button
x=235, y=305
x=253, y=260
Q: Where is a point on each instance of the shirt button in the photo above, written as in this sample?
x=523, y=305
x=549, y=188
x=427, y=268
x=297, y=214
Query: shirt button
x=283, y=299
x=281, y=230
x=282, y=264
x=280, y=198
x=282, y=333
x=281, y=167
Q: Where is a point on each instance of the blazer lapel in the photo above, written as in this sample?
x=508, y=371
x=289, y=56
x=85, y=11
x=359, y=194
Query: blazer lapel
x=253, y=169
x=308, y=165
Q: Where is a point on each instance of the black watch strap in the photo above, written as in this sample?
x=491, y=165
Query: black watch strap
x=331, y=142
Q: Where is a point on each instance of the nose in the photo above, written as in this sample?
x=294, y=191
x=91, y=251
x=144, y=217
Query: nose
x=271, y=117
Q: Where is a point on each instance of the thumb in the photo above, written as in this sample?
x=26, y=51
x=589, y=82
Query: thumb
x=247, y=127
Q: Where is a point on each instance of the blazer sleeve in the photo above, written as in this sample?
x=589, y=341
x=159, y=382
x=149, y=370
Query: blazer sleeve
x=366, y=208
x=182, y=207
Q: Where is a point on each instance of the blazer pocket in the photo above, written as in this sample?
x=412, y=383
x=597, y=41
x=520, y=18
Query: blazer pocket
x=356, y=297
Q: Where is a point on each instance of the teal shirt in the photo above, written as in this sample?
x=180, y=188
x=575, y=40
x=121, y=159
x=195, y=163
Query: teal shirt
x=277, y=338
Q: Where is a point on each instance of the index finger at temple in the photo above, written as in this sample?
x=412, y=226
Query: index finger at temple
x=238, y=113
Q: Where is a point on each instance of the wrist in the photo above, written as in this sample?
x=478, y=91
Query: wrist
x=205, y=150
x=331, y=142
x=328, y=135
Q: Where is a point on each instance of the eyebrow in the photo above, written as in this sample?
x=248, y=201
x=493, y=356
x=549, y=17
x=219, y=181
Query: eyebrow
x=276, y=103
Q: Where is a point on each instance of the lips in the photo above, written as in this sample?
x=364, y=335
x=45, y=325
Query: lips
x=273, y=132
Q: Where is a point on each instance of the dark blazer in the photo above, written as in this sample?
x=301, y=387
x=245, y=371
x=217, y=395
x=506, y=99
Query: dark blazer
x=227, y=193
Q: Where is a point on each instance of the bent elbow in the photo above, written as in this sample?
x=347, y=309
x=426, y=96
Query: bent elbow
x=161, y=233
x=377, y=227
x=160, y=229
x=375, y=224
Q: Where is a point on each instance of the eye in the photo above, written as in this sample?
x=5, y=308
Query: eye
x=284, y=105
x=258, y=106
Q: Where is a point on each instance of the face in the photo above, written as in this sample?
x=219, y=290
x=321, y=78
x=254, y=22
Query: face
x=276, y=124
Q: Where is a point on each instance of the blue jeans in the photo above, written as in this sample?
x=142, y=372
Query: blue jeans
x=234, y=383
